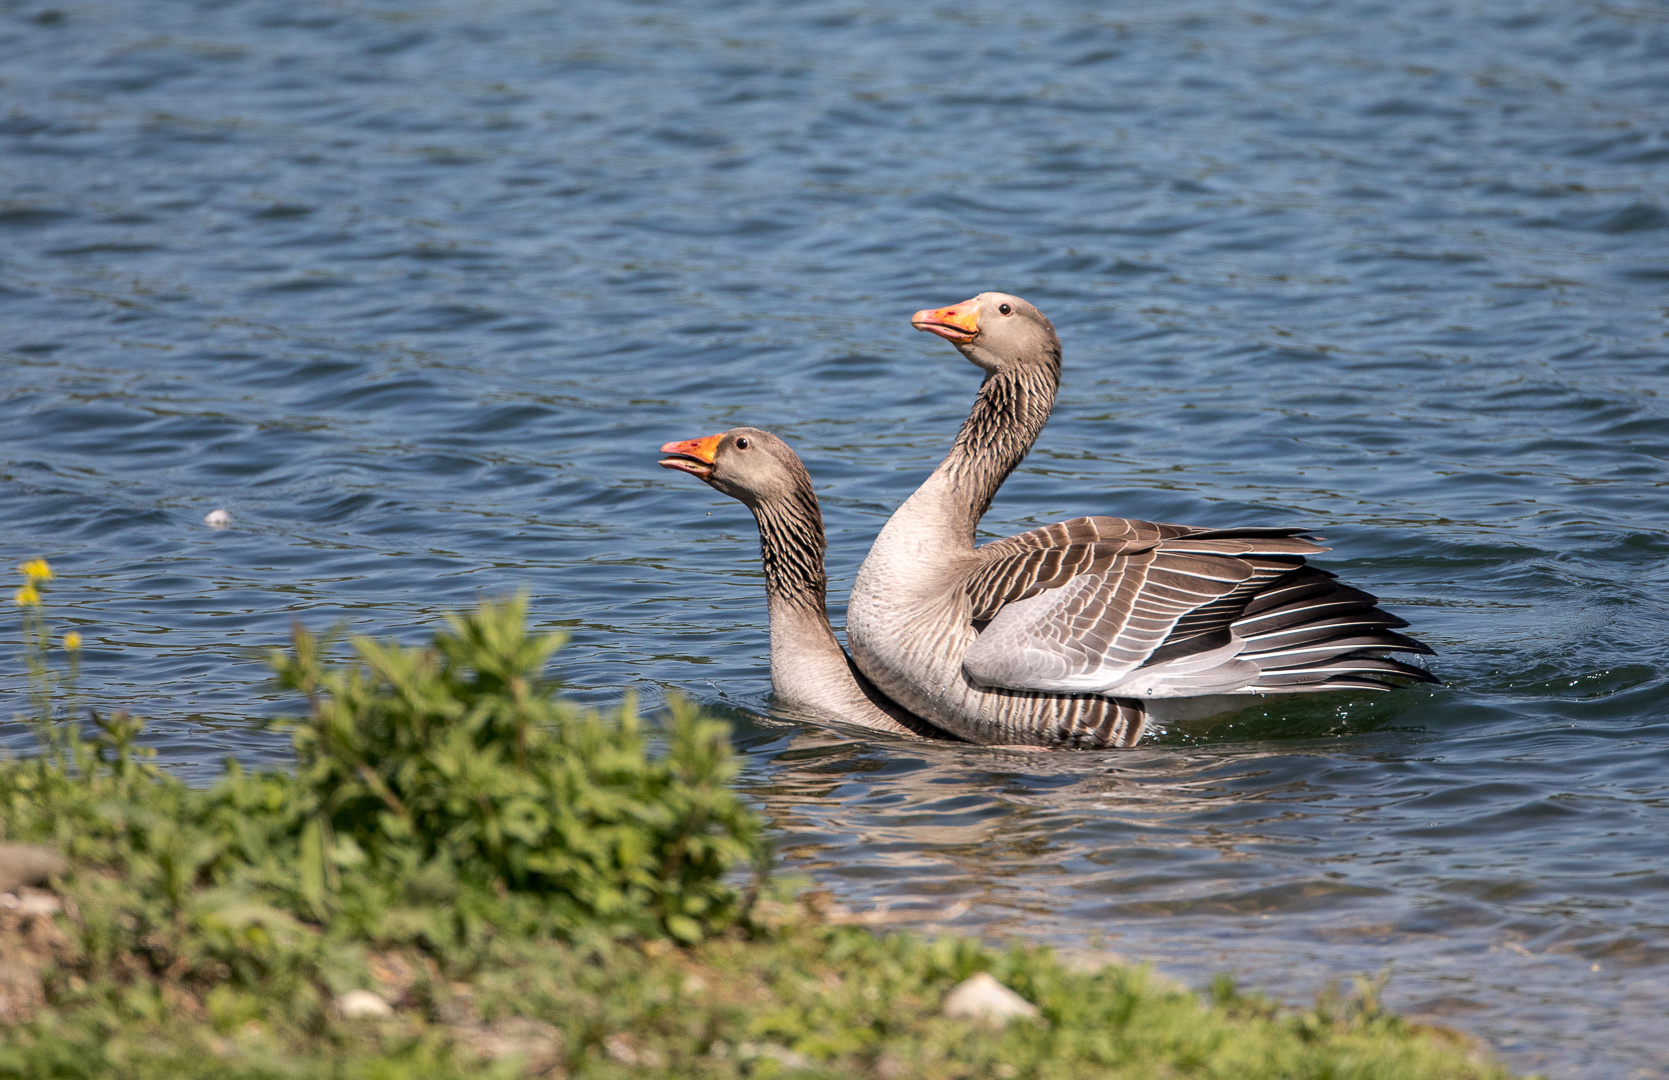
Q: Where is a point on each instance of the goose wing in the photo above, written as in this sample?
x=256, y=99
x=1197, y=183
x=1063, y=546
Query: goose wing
x=1020, y=566
x=1110, y=605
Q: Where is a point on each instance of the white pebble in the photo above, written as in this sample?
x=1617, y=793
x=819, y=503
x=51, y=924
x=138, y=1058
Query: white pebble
x=35, y=903
x=218, y=519
x=363, y=1005
x=983, y=998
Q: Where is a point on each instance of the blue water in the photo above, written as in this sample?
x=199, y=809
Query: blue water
x=415, y=291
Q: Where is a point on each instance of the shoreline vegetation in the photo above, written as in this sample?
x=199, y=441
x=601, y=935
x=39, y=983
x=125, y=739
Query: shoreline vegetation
x=464, y=875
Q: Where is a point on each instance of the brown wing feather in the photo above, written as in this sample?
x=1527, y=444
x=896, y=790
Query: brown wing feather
x=1027, y=563
x=1097, y=627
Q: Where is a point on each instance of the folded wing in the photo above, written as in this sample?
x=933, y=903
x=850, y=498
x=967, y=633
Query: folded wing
x=1141, y=610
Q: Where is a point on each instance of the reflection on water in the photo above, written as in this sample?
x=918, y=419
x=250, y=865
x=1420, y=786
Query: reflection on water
x=1308, y=854
x=416, y=289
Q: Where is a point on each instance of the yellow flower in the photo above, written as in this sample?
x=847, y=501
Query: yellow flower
x=26, y=597
x=72, y=641
x=35, y=570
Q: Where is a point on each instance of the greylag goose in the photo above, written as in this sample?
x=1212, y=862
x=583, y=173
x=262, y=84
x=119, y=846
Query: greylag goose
x=1078, y=633
x=808, y=667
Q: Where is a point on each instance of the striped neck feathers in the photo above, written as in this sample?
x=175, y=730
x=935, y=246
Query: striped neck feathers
x=1007, y=417
x=791, y=547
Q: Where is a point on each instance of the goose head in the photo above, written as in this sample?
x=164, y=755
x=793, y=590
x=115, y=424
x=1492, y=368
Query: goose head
x=995, y=331
x=754, y=467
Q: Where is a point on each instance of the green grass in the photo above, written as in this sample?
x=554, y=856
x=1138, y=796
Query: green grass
x=535, y=890
x=814, y=1000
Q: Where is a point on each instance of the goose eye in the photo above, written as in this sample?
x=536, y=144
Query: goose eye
x=742, y=443
x=1005, y=309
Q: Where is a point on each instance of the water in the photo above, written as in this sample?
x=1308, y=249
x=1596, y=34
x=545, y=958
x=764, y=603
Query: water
x=415, y=290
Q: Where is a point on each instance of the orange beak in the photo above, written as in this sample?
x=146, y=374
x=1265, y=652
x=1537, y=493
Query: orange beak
x=957, y=323
x=694, y=456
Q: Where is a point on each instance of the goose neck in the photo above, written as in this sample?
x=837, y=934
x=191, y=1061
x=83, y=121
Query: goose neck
x=791, y=547
x=1008, y=415
x=808, y=666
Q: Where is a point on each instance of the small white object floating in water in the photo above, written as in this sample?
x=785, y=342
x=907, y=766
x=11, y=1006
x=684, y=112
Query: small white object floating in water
x=218, y=519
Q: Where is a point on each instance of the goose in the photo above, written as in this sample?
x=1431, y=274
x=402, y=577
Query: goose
x=809, y=669
x=1081, y=633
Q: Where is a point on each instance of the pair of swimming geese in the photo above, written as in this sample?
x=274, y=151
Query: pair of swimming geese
x=1076, y=635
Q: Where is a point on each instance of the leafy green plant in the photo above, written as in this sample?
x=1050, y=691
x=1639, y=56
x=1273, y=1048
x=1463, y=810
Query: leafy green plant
x=459, y=763
x=443, y=798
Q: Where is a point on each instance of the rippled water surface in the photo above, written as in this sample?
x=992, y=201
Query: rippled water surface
x=416, y=289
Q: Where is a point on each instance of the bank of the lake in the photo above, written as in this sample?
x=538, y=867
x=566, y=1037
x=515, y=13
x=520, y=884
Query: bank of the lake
x=464, y=875
x=813, y=1000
